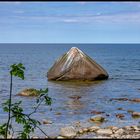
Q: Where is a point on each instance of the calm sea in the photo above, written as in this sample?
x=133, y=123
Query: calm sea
x=121, y=61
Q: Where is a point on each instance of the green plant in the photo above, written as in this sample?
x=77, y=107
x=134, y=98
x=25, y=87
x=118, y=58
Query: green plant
x=16, y=112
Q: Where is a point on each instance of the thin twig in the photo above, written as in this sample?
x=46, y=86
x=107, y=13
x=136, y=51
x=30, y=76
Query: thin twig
x=35, y=108
x=9, y=113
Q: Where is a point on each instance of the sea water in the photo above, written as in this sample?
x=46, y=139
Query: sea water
x=121, y=61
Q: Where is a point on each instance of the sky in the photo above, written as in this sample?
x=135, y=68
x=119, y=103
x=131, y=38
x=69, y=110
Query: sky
x=70, y=22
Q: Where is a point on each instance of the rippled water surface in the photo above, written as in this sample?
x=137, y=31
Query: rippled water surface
x=121, y=61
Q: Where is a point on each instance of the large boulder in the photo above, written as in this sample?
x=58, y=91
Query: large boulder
x=75, y=65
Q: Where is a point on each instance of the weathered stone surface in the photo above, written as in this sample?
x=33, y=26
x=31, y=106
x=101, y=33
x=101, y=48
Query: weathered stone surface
x=75, y=65
x=104, y=132
x=68, y=132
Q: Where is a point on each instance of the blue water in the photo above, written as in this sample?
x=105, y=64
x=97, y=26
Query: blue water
x=121, y=61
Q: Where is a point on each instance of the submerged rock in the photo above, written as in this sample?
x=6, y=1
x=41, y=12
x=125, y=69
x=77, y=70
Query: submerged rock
x=97, y=119
x=120, y=116
x=75, y=65
x=135, y=100
x=136, y=114
x=29, y=92
x=47, y=122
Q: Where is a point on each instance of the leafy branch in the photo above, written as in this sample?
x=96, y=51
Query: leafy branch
x=15, y=111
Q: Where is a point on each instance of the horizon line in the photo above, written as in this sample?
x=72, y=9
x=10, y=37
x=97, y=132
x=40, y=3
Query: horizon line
x=65, y=43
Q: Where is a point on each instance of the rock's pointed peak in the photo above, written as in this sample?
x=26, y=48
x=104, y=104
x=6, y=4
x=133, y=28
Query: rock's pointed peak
x=76, y=65
x=74, y=51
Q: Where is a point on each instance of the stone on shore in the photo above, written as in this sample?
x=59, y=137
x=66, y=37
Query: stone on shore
x=68, y=132
x=94, y=128
x=76, y=65
x=104, y=132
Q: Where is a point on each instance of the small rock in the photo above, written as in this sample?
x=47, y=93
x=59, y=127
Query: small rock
x=107, y=115
x=128, y=128
x=97, y=119
x=101, y=137
x=119, y=99
x=135, y=100
x=96, y=112
x=115, y=136
x=68, y=132
x=93, y=128
x=136, y=114
x=76, y=97
x=35, y=137
x=77, y=124
x=58, y=113
x=85, y=129
x=112, y=127
x=130, y=111
x=60, y=137
x=9, y=136
x=29, y=92
x=120, y=108
x=120, y=116
x=81, y=131
x=135, y=127
x=47, y=122
x=104, y=131
x=119, y=131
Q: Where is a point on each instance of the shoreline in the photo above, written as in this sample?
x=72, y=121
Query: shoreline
x=94, y=132
x=110, y=132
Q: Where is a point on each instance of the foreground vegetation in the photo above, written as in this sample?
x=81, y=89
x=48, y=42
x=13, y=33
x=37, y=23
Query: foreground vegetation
x=16, y=112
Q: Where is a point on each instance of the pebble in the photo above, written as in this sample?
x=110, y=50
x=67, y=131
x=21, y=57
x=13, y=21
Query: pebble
x=135, y=127
x=136, y=114
x=60, y=137
x=120, y=116
x=58, y=113
x=97, y=119
x=81, y=131
x=35, y=137
x=47, y=122
x=85, y=129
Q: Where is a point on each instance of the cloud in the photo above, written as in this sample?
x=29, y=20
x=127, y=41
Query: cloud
x=83, y=18
x=14, y=2
x=70, y=20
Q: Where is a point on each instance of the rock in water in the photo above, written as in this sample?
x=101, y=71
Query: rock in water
x=75, y=65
